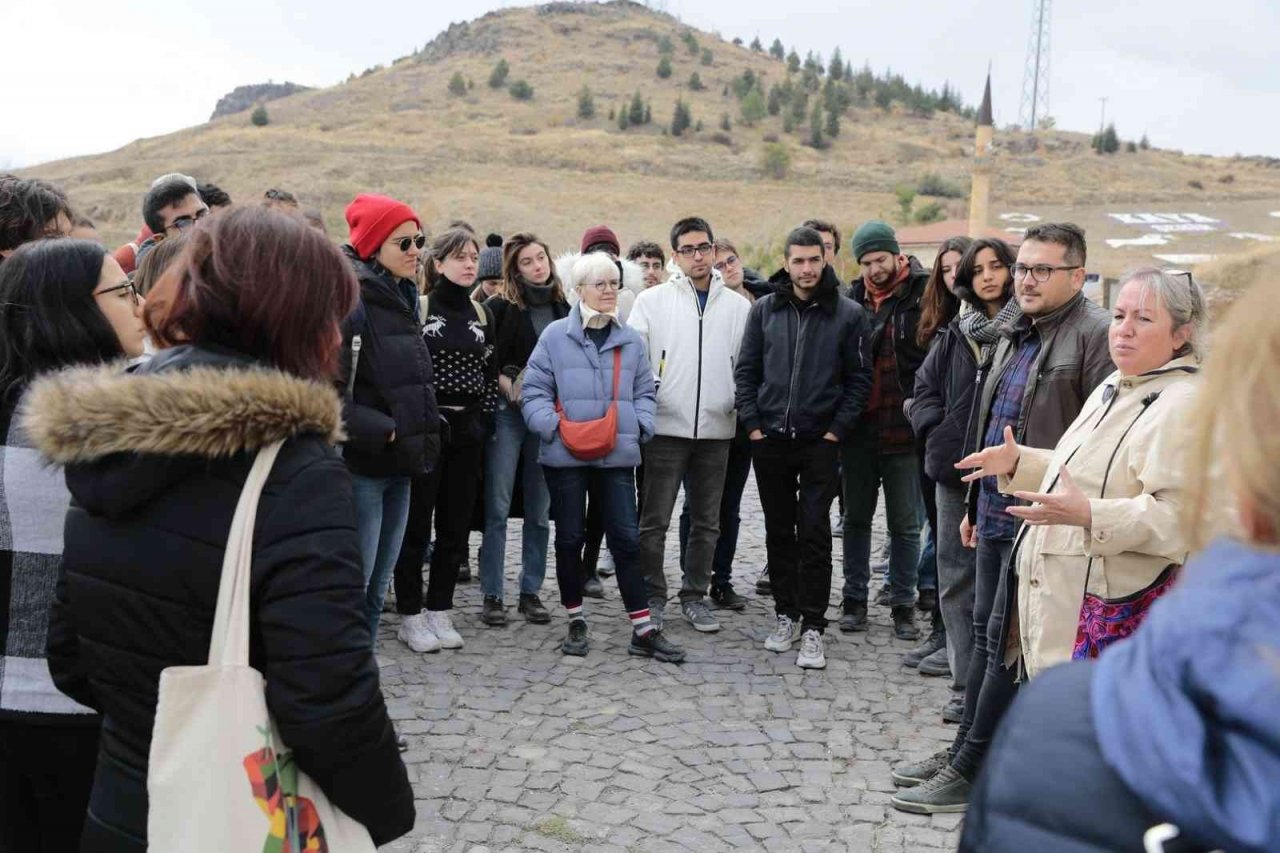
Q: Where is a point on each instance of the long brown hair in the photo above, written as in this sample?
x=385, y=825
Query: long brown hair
x=511, y=289
x=939, y=305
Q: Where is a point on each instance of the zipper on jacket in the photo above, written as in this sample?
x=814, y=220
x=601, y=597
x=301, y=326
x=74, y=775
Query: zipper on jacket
x=795, y=367
x=697, y=397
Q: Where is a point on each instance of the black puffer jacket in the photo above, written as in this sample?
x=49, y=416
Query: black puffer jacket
x=903, y=306
x=939, y=412
x=804, y=368
x=155, y=464
x=394, y=389
x=514, y=338
x=756, y=284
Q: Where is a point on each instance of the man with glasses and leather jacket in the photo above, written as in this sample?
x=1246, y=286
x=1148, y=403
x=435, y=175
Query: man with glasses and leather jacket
x=1040, y=374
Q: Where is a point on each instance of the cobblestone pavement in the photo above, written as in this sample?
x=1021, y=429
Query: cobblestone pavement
x=514, y=746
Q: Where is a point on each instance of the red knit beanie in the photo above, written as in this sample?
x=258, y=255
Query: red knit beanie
x=372, y=218
x=600, y=234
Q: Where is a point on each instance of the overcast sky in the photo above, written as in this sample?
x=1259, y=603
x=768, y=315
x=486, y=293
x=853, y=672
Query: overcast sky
x=86, y=76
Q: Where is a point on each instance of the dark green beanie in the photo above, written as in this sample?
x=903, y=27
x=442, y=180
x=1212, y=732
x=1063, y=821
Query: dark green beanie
x=875, y=236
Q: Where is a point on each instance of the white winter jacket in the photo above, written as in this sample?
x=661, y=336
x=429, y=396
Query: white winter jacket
x=693, y=353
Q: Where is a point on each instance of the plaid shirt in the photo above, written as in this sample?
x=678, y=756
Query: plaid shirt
x=1006, y=407
x=884, y=407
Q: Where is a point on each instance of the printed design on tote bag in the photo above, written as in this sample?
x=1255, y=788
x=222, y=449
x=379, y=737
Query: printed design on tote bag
x=295, y=824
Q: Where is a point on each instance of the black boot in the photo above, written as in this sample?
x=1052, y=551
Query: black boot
x=937, y=639
x=904, y=622
x=591, y=586
x=763, y=585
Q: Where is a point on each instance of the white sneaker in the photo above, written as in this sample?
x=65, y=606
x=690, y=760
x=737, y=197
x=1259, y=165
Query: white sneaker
x=604, y=563
x=442, y=626
x=782, y=637
x=811, y=654
x=416, y=633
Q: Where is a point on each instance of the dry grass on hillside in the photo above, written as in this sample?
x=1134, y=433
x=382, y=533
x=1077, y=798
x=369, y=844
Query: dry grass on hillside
x=1227, y=278
x=507, y=164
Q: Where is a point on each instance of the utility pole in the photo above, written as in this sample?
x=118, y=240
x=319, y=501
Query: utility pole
x=1035, y=79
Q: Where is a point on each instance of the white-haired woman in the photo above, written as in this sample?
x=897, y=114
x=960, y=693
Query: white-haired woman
x=1102, y=538
x=1178, y=724
x=583, y=367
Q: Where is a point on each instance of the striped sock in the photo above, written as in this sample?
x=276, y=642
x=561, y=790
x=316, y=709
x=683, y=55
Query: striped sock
x=575, y=612
x=640, y=622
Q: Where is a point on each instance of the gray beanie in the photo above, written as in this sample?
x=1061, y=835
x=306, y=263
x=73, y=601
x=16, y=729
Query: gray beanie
x=490, y=259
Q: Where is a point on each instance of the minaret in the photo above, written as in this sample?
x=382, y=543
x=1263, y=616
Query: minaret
x=980, y=195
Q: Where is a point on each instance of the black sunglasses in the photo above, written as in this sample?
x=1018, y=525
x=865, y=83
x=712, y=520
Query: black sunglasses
x=403, y=243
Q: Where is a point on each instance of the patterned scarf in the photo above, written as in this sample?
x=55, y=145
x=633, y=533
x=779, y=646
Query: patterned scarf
x=984, y=330
x=877, y=294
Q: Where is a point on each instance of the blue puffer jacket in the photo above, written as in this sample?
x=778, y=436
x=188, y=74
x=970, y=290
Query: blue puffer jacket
x=1176, y=724
x=1188, y=708
x=566, y=366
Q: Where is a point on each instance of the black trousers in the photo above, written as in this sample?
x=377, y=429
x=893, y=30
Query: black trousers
x=448, y=492
x=615, y=494
x=46, y=774
x=797, y=480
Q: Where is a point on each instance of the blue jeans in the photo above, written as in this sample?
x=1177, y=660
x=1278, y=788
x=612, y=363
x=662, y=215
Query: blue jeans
x=382, y=511
x=616, y=490
x=511, y=442
x=863, y=469
x=736, y=472
x=928, y=566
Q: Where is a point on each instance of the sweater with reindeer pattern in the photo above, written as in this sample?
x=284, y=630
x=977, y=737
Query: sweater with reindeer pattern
x=462, y=348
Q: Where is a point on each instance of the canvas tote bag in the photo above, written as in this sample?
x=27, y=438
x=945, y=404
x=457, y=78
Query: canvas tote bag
x=220, y=780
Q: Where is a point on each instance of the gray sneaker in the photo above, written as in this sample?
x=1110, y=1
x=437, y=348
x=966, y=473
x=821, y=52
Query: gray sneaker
x=947, y=792
x=656, y=608
x=910, y=775
x=697, y=614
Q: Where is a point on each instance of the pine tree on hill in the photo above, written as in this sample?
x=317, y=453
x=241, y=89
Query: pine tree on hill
x=637, y=109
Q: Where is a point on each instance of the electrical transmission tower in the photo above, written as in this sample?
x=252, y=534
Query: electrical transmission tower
x=1035, y=79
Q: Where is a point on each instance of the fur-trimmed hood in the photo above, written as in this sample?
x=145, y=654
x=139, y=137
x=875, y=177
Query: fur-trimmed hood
x=185, y=402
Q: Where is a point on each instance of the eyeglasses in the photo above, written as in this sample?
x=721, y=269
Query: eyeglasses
x=404, y=243
x=605, y=285
x=182, y=223
x=128, y=286
x=726, y=263
x=691, y=251
x=1040, y=272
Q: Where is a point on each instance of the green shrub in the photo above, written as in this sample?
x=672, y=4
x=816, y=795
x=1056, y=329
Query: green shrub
x=521, y=90
x=498, y=76
x=260, y=117
x=777, y=161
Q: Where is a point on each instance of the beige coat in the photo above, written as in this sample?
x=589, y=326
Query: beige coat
x=1137, y=530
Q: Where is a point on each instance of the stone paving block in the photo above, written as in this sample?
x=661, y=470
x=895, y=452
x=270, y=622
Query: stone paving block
x=515, y=747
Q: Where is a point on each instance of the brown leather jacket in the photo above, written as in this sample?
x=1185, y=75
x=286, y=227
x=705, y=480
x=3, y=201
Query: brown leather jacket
x=1074, y=358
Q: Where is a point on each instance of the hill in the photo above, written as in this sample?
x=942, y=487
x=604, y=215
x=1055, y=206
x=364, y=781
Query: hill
x=243, y=97
x=504, y=163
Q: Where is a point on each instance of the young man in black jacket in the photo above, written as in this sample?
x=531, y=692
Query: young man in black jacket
x=803, y=377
